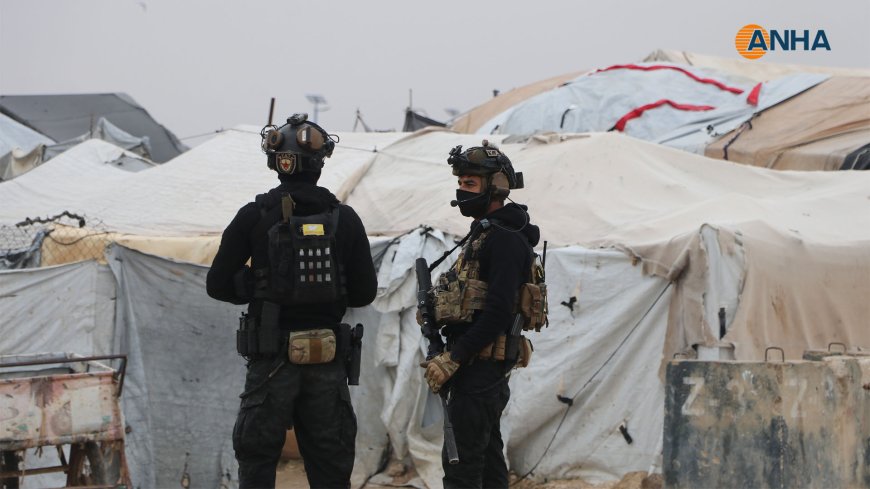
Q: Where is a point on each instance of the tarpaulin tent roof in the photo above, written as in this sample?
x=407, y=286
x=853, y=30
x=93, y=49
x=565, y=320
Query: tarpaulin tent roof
x=63, y=117
x=483, y=118
x=64, y=181
x=414, y=121
x=17, y=137
x=818, y=130
x=196, y=193
x=645, y=100
x=608, y=190
x=758, y=70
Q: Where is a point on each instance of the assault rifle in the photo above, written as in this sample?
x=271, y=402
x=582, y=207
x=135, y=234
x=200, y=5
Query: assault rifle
x=436, y=346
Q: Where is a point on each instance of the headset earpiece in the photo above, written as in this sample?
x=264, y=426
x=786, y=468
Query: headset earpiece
x=274, y=138
x=500, y=186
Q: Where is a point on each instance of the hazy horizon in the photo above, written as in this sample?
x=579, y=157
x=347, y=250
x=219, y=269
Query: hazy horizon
x=200, y=66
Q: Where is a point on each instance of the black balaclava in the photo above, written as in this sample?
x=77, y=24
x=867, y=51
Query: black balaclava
x=472, y=204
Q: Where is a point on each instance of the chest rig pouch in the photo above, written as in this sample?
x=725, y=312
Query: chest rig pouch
x=302, y=259
x=460, y=292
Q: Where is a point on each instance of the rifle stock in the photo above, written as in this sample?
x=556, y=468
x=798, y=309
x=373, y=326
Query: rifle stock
x=436, y=346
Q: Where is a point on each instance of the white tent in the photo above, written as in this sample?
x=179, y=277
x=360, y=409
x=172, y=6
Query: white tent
x=650, y=242
x=21, y=140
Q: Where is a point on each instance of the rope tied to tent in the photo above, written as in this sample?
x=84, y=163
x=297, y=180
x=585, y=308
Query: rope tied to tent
x=743, y=127
x=570, y=400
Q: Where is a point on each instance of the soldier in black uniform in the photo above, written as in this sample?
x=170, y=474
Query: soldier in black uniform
x=494, y=264
x=310, y=260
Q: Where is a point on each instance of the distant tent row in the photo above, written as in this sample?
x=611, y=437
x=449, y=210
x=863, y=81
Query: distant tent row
x=36, y=128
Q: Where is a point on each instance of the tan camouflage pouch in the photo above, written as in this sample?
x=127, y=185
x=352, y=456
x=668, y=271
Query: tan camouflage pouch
x=447, y=302
x=311, y=347
x=494, y=350
x=473, y=297
x=533, y=306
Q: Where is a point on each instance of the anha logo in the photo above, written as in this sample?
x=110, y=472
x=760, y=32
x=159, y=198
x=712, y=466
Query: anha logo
x=753, y=41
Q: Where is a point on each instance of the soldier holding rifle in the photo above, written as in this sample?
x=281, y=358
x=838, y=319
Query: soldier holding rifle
x=481, y=305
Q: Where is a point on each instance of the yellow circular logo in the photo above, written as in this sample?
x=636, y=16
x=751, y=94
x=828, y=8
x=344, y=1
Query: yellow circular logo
x=746, y=36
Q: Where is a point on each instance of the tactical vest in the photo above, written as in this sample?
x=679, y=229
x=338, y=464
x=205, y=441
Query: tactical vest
x=460, y=292
x=303, y=268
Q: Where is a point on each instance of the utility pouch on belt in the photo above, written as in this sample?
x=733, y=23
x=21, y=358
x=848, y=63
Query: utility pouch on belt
x=311, y=347
x=496, y=351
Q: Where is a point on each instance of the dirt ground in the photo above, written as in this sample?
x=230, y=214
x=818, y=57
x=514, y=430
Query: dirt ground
x=291, y=475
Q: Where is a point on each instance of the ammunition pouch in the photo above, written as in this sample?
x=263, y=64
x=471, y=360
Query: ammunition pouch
x=261, y=336
x=455, y=301
x=533, y=306
x=498, y=351
x=311, y=347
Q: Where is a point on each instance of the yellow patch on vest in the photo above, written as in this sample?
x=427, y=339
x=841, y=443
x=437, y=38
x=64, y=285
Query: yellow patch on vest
x=312, y=230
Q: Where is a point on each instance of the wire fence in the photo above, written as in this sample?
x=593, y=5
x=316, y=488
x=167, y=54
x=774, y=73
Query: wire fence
x=56, y=240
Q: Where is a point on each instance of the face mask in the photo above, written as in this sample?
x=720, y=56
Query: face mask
x=472, y=204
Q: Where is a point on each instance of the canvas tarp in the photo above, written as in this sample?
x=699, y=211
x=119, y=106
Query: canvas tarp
x=484, y=118
x=612, y=191
x=62, y=182
x=22, y=140
x=650, y=102
x=758, y=70
x=67, y=116
x=106, y=131
x=197, y=193
x=815, y=131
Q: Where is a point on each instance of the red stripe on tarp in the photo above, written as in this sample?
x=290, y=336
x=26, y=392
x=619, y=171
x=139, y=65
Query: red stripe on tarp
x=635, y=113
x=753, y=95
x=691, y=75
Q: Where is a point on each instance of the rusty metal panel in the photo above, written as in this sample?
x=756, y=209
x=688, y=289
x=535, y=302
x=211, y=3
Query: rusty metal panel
x=767, y=425
x=58, y=409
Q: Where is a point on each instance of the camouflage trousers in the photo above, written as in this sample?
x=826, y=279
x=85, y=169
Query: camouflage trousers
x=315, y=401
x=478, y=394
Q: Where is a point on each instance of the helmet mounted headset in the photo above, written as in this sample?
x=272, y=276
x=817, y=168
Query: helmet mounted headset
x=486, y=161
x=297, y=146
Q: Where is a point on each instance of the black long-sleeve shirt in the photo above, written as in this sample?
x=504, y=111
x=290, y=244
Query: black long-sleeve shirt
x=244, y=238
x=505, y=262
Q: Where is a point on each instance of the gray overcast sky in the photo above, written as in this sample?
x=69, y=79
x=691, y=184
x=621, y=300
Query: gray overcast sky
x=199, y=65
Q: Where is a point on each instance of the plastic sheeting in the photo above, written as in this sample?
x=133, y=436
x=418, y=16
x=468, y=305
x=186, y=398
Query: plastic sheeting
x=64, y=308
x=184, y=376
x=197, y=193
x=68, y=116
x=758, y=70
x=804, y=133
x=613, y=191
x=108, y=132
x=22, y=140
x=596, y=101
x=697, y=132
x=61, y=183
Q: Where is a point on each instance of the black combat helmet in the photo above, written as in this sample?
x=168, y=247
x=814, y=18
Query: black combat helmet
x=297, y=146
x=489, y=162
